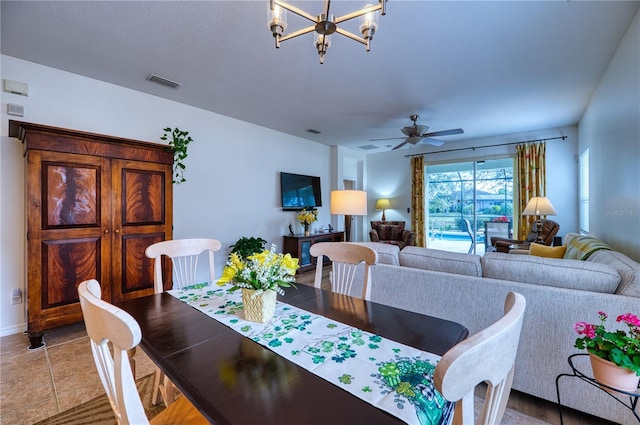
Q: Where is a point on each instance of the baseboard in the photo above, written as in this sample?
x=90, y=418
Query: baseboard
x=12, y=330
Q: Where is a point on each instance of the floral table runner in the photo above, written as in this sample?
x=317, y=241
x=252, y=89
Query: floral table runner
x=389, y=375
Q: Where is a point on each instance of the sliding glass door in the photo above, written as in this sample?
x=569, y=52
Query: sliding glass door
x=465, y=201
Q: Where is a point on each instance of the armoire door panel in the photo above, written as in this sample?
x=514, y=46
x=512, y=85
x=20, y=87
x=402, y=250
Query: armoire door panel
x=135, y=271
x=72, y=194
x=143, y=197
x=141, y=214
x=66, y=263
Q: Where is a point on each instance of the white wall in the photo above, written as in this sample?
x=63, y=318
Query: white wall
x=389, y=173
x=232, y=186
x=610, y=128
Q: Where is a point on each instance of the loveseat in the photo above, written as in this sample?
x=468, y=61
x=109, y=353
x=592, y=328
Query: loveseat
x=470, y=290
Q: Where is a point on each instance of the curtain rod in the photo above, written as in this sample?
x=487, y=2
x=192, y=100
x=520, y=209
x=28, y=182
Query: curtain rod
x=487, y=146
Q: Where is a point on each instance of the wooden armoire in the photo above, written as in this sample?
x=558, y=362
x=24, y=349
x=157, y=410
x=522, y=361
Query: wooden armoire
x=93, y=205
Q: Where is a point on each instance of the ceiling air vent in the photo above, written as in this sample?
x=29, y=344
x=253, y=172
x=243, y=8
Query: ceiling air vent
x=164, y=81
x=368, y=147
x=312, y=131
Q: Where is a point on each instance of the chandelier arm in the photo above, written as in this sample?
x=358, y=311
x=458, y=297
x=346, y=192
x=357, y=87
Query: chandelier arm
x=351, y=36
x=357, y=13
x=294, y=34
x=291, y=8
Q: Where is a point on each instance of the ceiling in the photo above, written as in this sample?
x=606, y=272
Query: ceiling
x=488, y=67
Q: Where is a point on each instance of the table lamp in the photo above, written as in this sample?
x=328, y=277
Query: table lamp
x=348, y=202
x=383, y=204
x=539, y=206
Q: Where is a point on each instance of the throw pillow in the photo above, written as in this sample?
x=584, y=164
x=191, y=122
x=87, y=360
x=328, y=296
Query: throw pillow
x=540, y=250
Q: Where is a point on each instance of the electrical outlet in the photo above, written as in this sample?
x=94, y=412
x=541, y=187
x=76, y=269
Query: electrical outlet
x=16, y=296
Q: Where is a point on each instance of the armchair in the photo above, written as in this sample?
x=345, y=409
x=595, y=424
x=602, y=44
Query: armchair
x=549, y=230
x=392, y=232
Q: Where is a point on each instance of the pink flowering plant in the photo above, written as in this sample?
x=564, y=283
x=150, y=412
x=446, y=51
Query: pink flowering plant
x=621, y=347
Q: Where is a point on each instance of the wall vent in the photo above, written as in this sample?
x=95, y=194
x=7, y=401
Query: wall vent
x=164, y=81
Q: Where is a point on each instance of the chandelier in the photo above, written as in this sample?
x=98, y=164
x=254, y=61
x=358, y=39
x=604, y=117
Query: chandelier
x=324, y=24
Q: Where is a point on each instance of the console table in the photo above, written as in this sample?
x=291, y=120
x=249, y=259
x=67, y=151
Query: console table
x=576, y=372
x=298, y=246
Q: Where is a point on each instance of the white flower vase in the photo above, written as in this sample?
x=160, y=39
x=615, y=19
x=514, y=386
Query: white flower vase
x=258, y=307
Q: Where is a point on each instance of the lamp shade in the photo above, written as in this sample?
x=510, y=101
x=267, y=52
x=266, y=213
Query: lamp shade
x=383, y=204
x=349, y=202
x=539, y=205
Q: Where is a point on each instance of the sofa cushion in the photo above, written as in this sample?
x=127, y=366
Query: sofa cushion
x=387, y=254
x=540, y=250
x=442, y=261
x=561, y=273
x=628, y=270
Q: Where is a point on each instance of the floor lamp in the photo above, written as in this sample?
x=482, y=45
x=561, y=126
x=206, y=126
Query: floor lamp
x=538, y=206
x=348, y=203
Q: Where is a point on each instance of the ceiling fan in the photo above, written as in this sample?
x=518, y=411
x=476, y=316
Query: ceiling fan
x=418, y=133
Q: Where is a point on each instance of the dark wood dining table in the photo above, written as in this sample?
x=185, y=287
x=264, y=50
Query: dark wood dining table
x=233, y=380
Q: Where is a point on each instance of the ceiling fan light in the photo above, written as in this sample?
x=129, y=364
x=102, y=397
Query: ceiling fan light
x=414, y=139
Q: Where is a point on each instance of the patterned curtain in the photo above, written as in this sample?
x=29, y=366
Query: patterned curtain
x=417, y=198
x=531, y=174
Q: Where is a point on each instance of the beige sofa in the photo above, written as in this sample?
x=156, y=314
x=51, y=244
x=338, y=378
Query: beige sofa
x=470, y=289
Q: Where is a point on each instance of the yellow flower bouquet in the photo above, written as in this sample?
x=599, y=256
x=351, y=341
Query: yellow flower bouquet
x=263, y=271
x=306, y=217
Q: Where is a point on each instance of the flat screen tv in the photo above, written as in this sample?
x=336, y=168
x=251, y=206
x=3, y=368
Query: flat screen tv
x=299, y=191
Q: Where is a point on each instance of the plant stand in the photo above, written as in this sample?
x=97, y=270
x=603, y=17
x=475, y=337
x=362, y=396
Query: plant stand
x=606, y=389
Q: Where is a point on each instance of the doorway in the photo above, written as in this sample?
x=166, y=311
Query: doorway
x=461, y=197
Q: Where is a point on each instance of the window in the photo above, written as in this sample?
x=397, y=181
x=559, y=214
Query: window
x=584, y=192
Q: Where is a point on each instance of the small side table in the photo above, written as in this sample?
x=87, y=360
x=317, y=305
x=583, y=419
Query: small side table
x=577, y=373
x=519, y=249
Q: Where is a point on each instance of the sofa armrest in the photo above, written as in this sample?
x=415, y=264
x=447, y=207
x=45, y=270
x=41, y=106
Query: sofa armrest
x=373, y=235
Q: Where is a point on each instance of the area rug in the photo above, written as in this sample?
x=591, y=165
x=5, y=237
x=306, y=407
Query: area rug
x=98, y=411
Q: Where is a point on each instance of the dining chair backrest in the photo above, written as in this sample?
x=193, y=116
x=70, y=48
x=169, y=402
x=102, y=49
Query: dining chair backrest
x=107, y=323
x=345, y=258
x=487, y=356
x=184, y=254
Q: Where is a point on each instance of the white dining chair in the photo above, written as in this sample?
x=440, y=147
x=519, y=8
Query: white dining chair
x=345, y=258
x=106, y=323
x=487, y=356
x=184, y=254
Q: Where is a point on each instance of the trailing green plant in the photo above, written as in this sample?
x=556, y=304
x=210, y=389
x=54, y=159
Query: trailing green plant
x=178, y=142
x=246, y=246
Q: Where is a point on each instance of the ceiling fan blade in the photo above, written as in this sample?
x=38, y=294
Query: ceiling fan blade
x=434, y=142
x=445, y=132
x=400, y=145
x=387, y=138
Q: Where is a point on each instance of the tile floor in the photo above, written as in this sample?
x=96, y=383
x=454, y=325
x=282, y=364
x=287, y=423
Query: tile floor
x=35, y=385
